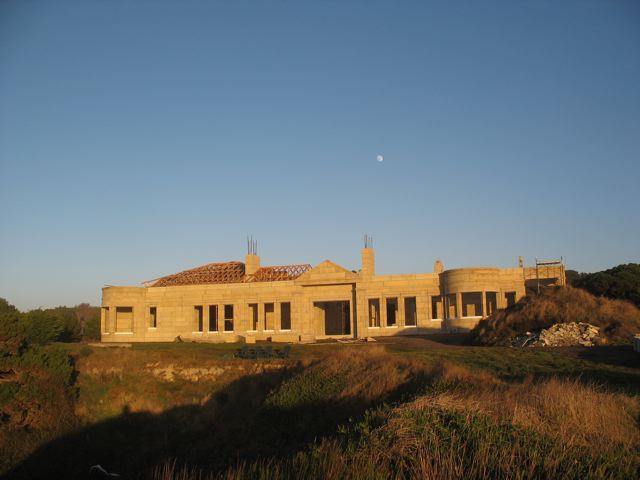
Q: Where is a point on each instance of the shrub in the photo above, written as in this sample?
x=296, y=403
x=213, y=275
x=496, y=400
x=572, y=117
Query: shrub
x=85, y=351
x=55, y=363
x=8, y=392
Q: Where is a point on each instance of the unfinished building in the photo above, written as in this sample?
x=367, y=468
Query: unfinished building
x=236, y=301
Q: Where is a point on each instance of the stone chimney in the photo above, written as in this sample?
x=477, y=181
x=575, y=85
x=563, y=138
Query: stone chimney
x=251, y=264
x=368, y=258
x=252, y=260
x=438, y=266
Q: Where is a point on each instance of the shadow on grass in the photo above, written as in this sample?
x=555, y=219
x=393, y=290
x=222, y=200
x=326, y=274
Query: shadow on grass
x=616, y=355
x=615, y=368
x=431, y=340
x=233, y=425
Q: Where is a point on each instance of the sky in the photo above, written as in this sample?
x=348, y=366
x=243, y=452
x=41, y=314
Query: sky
x=141, y=138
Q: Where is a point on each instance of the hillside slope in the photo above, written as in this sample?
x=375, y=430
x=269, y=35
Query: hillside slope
x=350, y=412
x=618, y=319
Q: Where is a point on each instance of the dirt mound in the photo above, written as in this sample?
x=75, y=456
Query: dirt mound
x=618, y=320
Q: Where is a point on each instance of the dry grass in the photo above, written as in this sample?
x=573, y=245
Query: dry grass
x=462, y=424
x=371, y=373
x=618, y=319
x=354, y=413
x=153, y=381
x=575, y=414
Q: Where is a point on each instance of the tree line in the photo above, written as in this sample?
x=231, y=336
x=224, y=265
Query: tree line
x=42, y=326
x=621, y=282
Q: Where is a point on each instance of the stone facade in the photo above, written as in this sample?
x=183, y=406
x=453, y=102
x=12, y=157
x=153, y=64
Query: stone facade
x=298, y=304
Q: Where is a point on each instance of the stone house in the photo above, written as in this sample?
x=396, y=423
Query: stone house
x=235, y=301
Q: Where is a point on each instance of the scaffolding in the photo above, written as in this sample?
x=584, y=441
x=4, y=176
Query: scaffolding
x=550, y=269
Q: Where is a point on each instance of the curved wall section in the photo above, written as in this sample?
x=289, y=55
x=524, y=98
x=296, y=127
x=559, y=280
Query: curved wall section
x=471, y=280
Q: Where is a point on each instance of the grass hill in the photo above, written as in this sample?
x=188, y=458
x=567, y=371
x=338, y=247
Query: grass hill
x=619, y=320
x=402, y=408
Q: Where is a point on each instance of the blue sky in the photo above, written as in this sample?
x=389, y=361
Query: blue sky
x=139, y=138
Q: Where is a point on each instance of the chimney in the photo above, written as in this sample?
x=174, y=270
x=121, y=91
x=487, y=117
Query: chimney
x=251, y=260
x=438, y=266
x=368, y=258
x=251, y=264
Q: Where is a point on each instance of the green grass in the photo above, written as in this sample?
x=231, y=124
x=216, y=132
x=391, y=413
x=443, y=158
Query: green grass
x=507, y=363
x=512, y=364
x=306, y=389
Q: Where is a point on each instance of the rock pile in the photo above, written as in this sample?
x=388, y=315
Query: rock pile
x=560, y=335
x=568, y=334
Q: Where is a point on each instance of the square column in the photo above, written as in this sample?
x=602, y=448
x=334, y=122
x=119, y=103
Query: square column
x=277, y=317
x=484, y=303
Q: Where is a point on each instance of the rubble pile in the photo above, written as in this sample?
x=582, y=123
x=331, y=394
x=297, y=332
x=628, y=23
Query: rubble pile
x=568, y=334
x=560, y=335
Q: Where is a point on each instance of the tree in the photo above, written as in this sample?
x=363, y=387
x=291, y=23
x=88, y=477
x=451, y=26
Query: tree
x=92, y=325
x=621, y=282
x=6, y=307
x=12, y=334
x=43, y=326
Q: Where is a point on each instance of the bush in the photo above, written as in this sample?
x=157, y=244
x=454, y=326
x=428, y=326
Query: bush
x=37, y=403
x=55, y=363
x=85, y=351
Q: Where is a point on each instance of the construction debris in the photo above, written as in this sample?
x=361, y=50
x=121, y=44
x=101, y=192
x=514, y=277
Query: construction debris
x=109, y=345
x=560, y=335
x=357, y=340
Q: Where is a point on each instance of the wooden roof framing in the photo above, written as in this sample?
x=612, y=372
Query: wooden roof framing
x=229, y=272
x=279, y=273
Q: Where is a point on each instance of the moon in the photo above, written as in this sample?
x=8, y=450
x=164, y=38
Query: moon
x=380, y=157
